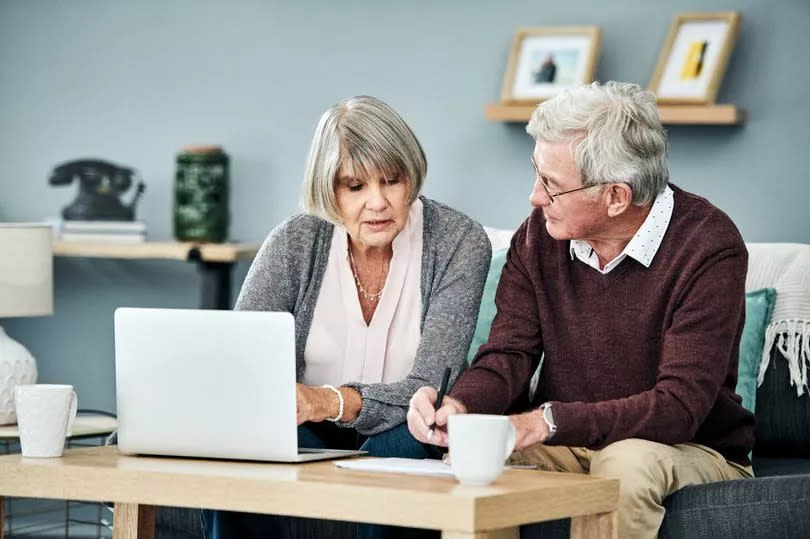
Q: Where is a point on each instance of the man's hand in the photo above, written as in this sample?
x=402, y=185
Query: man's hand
x=530, y=429
x=422, y=415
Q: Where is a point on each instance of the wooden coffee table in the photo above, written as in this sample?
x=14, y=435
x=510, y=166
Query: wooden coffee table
x=317, y=490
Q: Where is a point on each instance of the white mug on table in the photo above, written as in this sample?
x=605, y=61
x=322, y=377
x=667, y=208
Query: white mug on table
x=479, y=446
x=45, y=413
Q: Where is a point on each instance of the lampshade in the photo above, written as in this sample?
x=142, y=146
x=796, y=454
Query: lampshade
x=26, y=269
x=26, y=289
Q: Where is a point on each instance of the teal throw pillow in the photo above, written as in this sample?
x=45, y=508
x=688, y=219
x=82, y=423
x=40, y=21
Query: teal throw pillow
x=486, y=313
x=758, y=309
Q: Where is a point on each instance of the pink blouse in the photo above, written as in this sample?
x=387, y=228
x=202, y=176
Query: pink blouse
x=341, y=347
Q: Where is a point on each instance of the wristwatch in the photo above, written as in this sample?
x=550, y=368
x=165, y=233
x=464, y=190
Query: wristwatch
x=548, y=417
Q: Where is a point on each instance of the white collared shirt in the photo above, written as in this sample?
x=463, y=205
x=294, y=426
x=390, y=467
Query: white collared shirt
x=340, y=346
x=644, y=244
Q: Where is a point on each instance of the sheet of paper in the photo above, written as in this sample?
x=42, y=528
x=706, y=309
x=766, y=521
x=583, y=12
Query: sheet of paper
x=398, y=465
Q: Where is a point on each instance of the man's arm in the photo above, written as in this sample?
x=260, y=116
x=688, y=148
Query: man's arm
x=503, y=367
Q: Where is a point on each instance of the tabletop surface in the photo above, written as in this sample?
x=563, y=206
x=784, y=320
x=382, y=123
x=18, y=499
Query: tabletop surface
x=317, y=489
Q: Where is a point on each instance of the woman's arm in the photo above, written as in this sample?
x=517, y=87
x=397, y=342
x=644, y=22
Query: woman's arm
x=270, y=282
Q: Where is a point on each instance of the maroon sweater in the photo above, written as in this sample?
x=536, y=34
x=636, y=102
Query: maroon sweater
x=638, y=353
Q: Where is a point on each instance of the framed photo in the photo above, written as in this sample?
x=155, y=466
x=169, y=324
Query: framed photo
x=545, y=60
x=694, y=57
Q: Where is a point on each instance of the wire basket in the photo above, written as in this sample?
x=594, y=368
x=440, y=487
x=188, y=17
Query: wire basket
x=42, y=518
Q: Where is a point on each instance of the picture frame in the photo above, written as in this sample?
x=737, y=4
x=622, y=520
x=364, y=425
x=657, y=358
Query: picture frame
x=693, y=60
x=545, y=60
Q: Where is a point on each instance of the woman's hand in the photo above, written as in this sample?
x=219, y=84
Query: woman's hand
x=422, y=415
x=303, y=403
x=313, y=403
x=319, y=403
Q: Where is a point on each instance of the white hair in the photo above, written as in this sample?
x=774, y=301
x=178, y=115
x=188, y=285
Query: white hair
x=368, y=134
x=615, y=133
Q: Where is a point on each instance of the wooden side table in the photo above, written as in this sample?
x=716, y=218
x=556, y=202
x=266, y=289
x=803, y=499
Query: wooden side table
x=50, y=514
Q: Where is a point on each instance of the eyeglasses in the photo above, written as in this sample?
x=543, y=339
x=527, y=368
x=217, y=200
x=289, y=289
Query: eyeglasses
x=552, y=196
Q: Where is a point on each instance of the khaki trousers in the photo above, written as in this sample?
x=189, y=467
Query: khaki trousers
x=648, y=473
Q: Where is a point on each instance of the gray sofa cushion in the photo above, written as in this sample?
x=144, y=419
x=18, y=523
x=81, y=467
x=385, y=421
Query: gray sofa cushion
x=767, y=507
x=767, y=467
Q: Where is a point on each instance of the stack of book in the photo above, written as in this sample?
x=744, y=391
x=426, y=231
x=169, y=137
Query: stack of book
x=103, y=231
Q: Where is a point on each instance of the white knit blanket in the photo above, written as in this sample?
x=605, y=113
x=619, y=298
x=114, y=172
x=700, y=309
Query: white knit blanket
x=785, y=267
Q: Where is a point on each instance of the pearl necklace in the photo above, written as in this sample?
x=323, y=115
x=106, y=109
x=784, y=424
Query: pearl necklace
x=366, y=294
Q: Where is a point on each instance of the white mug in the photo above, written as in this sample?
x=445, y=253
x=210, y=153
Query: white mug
x=479, y=446
x=45, y=413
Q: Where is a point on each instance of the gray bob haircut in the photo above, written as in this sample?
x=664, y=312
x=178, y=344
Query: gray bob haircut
x=372, y=137
x=615, y=133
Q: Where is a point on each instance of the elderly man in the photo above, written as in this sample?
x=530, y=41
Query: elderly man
x=633, y=292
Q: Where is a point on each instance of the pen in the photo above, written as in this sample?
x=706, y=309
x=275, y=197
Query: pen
x=440, y=398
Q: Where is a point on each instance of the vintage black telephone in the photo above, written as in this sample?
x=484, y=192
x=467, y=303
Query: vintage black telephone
x=100, y=184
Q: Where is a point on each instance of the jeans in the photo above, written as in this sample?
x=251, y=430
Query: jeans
x=396, y=442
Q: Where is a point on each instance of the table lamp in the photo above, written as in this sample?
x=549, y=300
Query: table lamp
x=26, y=289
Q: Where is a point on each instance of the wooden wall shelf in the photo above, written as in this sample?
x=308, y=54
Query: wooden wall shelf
x=208, y=252
x=215, y=261
x=670, y=114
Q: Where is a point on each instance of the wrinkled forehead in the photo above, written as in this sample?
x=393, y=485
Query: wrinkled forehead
x=556, y=159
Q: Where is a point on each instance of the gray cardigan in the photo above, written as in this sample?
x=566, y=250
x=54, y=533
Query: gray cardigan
x=286, y=276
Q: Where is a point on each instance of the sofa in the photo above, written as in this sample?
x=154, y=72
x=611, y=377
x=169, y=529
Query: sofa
x=777, y=503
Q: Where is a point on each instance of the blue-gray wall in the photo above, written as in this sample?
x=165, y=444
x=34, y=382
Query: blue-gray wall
x=133, y=82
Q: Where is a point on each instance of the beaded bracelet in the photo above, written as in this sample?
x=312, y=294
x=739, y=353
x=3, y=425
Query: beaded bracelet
x=340, y=400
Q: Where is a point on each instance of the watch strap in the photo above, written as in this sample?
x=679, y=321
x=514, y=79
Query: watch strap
x=548, y=417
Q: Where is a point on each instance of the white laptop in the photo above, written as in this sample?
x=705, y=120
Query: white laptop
x=204, y=383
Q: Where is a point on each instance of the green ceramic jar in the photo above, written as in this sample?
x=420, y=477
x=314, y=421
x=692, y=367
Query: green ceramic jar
x=201, y=195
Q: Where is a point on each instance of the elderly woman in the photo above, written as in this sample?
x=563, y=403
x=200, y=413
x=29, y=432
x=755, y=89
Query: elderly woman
x=384, y=284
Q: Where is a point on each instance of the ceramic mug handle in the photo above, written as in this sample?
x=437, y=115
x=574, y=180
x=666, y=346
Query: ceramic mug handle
x=510, y=441
x=74, y=406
